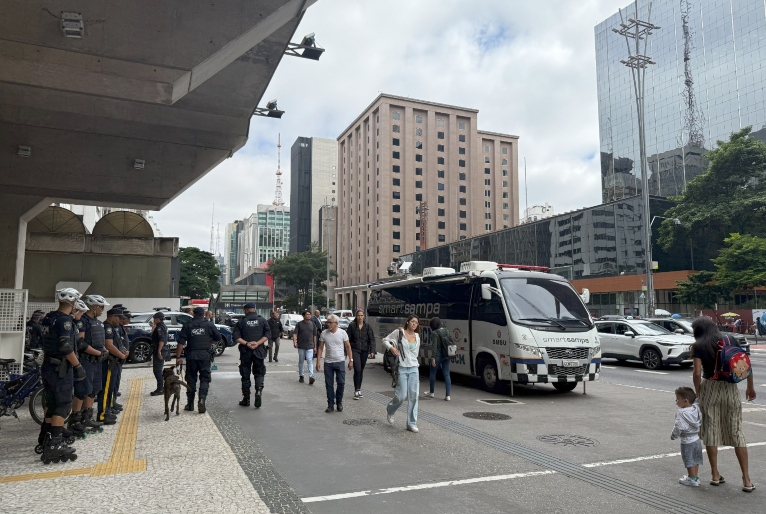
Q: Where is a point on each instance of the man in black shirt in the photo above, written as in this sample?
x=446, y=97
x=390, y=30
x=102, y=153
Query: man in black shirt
x=276, y=329
x=252, y=334
x=197, y=336
x=305, y=340
x=34, y=334
x=159, y=353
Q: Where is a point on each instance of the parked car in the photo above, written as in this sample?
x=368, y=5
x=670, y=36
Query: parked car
x=139, y=332
x=684, y=326
x=288, y=323
x=344, y=323
x=644, y=341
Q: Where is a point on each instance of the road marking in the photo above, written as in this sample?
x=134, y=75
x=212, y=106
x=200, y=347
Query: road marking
x=754, y=423
x=608, y=367
x=658, y=456
x=652, y=372
x=638, y=387
x=431, y=485
x=753, y=410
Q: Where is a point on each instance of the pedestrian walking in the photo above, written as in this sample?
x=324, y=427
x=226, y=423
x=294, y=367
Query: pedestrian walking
x=159, y=351
x=405, y=344
x=277, y=332
x=720, y=403
x=305, y=340
x=687, y=427
x=361, y=338
x=252, y=333
x=335, y=339
x=440, y=359
x=197, y=336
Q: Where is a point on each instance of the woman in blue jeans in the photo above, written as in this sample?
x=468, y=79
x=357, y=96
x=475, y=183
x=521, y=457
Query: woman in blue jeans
x=439, y=357
x=409, y=379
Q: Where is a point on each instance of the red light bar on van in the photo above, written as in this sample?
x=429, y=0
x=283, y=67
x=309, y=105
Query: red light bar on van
x=523, y=267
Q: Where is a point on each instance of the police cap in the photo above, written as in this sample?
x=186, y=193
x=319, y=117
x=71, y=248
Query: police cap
x=158, y=315
x=249, y=305
x=114, y=312
x=199, y=311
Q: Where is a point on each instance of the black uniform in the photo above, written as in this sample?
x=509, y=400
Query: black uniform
x=109, y=372
x=94, y=337
x=58, y=342
x=80, y=391
x=123, y=345
x=196, y=336
x=34, y=335
x=276, y=329
x=159, y=334
x=252, y=327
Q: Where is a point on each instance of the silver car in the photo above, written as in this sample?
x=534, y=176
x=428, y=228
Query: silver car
x=644, y=341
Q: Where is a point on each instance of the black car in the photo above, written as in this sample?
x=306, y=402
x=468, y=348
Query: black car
x=139, y=332
x=684, y=326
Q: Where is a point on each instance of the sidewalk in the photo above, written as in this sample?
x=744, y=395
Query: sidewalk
x=141, y=463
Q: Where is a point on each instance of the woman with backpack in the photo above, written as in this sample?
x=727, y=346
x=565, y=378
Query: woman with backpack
x=440, y=359
x=404, y=343
x=719, y=401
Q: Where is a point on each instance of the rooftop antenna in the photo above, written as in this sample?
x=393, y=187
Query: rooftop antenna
x=526, y=194
x=278, y=201
x=218, y=239
x=212, y=228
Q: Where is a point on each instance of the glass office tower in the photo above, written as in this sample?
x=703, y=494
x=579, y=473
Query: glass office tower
x=709, y=80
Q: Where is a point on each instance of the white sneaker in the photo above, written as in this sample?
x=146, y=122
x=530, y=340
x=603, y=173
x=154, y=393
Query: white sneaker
x=356, y=395
x=413, y=429
x=428, y=395
x=687, y=480
x=390, y=418
x=446, y=398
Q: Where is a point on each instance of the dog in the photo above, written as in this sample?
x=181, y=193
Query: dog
x=172, y=387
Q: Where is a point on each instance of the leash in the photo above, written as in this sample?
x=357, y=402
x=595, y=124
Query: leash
x=179, y=369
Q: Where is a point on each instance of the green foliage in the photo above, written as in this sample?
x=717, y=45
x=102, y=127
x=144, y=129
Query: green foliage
x=199, y=273
x=730, y=197
x=701, y=289
x=742, y=264
x=299, y=271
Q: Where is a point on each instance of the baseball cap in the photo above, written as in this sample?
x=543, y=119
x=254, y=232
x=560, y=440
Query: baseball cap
x=158, y=315
x=249, y=305
x=198, y=310
x=114, y=312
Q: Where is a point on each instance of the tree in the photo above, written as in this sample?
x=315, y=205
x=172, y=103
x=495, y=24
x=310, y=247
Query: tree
x=742, y=264
x=199, y=273
x=730, y=197
x=701, y=289
x=300, y=270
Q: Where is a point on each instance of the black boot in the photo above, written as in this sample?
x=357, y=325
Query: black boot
x=257, y=402
x=201, y=405
x=75, y=425
x=245, y=401
x=44, y=429
x=189, y=402
x=89, y=422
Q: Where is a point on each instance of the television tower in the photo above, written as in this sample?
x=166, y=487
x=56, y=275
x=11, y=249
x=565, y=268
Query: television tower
x=278, y=201
x=212, y=229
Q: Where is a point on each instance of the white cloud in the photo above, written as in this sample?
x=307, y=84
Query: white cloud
x=529, y=67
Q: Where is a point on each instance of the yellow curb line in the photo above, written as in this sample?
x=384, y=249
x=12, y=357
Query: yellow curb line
x=121, y=460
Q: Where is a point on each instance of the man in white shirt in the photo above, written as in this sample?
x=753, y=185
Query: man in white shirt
x=336, y=341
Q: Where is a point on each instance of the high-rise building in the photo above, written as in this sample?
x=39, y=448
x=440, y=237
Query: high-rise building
x=400, y=154
x=313, y=170
x=265, y=237
x=707, y=82
x=328, y=238
x=231, y=251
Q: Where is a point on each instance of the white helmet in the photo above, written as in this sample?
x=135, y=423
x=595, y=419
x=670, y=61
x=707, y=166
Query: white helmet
x=67, y=295
x=95, y=300
x=80, y=306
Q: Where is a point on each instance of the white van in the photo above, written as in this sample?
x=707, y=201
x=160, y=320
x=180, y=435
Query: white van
x=344, y=314
x=288, y=323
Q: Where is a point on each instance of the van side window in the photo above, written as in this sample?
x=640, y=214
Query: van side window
x=621, y=328
x=488, y=310
x=606, y=328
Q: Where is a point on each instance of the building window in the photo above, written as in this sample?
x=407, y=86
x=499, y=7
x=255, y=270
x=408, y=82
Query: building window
x=461, y=176
x=418, y=118
x=418, y=171
x=440, y=135
x=397, y=182
x=505, y=150
x=505, y=162
x=442, y=225
x=439, y=199
x=397, y=195
x=461, y=150
x=395, y=142
x=439, y=122
x=488, y=226
x=442, y=238
x=487, y=182
x=505, y=183
x=418, y=184
x=440, y=160
x=505, y=205
x=440, y=173
x=462, y=189
x=441, y=212
x=419, y=197
x=463, y=226
x=461, y=138
x=505, y=173
x=395, y=128
x=396, y=155
x=418, y=158
x=419, y=144
x=463, y=214
x=487, y=193
x=397, y=169
x=417, y=222
x=505, y=194
x=395, y=115
x=418, y=131
x=417, y=237
x=440, y=186
x=462, y=201
x=486, y=148
x=396, y=248
x=396, y=207
x=396, y=221
x=396, y=235
x=486, y=160
x=487, y=204
x=439, y=148
x=487, y=215
x=461, y=125
x=461, y=163
x=506, y=217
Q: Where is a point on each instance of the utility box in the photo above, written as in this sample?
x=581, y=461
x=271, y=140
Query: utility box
x=13, y=308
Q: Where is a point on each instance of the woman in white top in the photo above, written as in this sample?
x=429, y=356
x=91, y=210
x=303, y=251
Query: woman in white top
x=409, y=378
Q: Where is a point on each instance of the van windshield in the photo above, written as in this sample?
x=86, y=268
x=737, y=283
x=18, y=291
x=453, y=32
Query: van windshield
x=545, y=302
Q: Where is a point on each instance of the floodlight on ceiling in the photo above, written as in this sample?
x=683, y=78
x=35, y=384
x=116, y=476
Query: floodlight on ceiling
x=71, y=25
x=270, y=111
x=307, y=48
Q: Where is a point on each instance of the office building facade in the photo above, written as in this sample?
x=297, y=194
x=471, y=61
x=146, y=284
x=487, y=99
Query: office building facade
x=313, y=170
x=265, y=237
x=402, y=154
x=709, y=80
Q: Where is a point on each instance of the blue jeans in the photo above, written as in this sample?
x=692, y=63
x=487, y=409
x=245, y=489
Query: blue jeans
x=444, y=365
x=408, y=386
x=307, y=355
x=338, y=371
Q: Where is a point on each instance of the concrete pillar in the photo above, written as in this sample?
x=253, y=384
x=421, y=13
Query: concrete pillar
x=15, y=212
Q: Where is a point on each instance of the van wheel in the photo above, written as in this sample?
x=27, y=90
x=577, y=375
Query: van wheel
x=651, y=359
x=487, y=371
x=565, y=387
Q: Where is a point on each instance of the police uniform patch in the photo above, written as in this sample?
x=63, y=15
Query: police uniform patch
x=108, y=330
x=67, y=325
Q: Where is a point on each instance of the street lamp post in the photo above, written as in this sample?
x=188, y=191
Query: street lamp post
x=639, y=30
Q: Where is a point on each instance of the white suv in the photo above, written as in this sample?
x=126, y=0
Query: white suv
x=642, y=340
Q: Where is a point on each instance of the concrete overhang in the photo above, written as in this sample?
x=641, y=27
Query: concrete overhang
x=169, y=82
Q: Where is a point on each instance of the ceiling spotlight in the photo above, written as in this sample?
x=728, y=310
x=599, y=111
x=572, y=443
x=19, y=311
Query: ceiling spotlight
x=139, y=164
x=25, y=151
x=71, y=24
x=270, y=111
x=307, y=48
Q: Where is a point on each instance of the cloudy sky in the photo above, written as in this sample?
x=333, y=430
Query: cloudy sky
x=527, y=66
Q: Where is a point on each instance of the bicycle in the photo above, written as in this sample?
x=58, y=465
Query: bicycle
x=15, y=391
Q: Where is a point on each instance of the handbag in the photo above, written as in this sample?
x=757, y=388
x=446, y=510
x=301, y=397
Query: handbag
x=392, y=361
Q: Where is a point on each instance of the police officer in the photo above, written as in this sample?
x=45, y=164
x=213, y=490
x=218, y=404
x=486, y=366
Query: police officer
x=109, y=367
x=277, y=330
x=74, y=423
x=197, y=336
x=60, y=367
x=34, y=333
x=124, y=346
x=252, y=334
x=93, y=346
x=159, y=350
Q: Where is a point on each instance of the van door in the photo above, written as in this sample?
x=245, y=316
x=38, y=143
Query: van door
x=489, y=325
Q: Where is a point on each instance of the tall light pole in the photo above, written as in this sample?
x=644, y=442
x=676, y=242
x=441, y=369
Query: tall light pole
x=639, y=30
x=329, y=242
